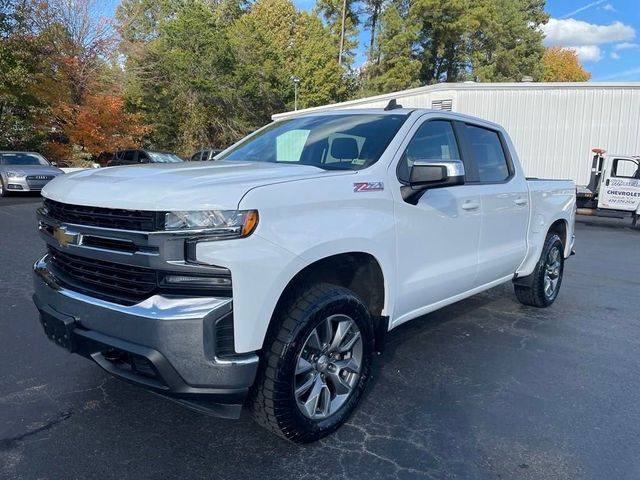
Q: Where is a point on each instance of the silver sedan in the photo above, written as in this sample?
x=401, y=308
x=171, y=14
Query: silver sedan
x=25, y=172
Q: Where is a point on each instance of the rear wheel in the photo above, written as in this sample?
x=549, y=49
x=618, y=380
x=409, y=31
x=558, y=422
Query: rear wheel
x=547, y=276
x=316, y=365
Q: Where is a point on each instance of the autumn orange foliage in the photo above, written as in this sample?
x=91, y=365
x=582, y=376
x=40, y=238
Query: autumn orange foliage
x=562, y=65
x=100, y=124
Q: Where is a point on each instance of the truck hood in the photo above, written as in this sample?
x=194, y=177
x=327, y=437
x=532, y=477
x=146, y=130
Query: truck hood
x=177, y=186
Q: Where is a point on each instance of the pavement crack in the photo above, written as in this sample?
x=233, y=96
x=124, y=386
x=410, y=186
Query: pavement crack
x=11, y=443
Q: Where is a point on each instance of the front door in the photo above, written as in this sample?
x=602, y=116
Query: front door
x=437, y=235
x=620, y=187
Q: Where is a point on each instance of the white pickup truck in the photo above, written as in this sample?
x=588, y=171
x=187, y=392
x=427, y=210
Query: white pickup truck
x=271, y=276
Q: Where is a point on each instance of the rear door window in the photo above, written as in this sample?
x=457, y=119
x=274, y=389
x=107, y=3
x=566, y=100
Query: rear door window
x=488, y=154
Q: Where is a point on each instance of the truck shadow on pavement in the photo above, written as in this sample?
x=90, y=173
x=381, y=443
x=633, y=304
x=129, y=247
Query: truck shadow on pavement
x=428, y=391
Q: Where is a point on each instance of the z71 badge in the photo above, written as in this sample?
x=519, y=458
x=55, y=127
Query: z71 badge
x=368, y=186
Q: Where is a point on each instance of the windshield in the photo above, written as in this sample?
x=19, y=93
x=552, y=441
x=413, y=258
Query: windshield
x=162, y=157
x=331, y=142
x=22, y=159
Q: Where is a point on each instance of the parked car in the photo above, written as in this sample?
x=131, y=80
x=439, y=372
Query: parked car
x=279, y=268
x=22, y=172
x=66, y=166
x=135, y=157
x=205, y=155
x=77, y=169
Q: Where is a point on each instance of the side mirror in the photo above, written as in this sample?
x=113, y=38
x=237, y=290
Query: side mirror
x=436, y=174
x=54, y=164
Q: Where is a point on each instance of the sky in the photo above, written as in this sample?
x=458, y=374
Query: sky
x=604, y=33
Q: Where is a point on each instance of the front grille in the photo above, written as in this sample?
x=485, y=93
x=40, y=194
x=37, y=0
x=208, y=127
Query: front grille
x=136, y=220
x=40, y=177
x=114, y=282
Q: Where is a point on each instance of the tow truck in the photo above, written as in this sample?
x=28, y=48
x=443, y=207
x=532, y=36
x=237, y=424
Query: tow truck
x=613, y=189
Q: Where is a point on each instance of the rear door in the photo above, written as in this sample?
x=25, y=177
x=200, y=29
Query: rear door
x=437, y=236
x=504, y=198
x=620, y=187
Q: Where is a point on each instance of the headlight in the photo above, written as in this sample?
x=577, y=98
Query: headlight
x=221, y=223
x=16, y=175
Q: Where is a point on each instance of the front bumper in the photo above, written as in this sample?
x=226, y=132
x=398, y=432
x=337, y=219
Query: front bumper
x=24, y=185
x=165, y=343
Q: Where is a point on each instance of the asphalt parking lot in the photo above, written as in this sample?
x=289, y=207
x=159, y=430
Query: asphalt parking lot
x=485, y=389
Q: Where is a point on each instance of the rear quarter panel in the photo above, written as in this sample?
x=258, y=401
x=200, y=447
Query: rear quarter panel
x=550, y=201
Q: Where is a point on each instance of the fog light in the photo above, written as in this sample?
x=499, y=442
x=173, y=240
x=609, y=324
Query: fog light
x=12, y=186
x=196, y=281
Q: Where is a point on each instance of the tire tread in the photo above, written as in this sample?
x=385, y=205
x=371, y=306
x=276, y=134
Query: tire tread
x=269, y=388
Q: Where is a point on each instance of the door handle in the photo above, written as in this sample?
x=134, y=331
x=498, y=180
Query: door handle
x=470, y=205
x=520, y=201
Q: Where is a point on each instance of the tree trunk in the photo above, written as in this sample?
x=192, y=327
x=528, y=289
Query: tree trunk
x=344, y=15
x=374, y=21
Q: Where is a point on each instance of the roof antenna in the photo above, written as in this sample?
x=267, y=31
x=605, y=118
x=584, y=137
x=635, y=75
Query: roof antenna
x=392, y=105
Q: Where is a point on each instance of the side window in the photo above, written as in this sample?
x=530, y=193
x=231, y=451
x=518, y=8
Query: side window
x=195, y=157
x=488, y=154
x=623, y=168
x=128, y=156
x=143, y=157
x=290, y=144
x=435, y=141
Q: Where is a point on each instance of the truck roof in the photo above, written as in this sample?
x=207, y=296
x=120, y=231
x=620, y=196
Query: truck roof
x=394, y=111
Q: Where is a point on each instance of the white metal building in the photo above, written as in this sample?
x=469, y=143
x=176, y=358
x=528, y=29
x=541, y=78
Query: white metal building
x=553, y=125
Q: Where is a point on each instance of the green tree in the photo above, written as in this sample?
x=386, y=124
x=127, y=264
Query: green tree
x=179, y=72
x=21, y=66
x=322, y=80
x=274, y=42
x=373, y=10
x=506, y=40
x=457, y=40
x=262, y=42
x=396, y=67
x=442, y=42
x=342, y=19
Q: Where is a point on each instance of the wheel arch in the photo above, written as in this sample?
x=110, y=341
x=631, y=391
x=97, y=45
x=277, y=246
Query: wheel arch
x=560, y=228
x=360, y=272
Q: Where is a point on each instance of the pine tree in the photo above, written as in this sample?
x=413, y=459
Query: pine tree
x=342, y=20
x=397, y=67
x=506, y=41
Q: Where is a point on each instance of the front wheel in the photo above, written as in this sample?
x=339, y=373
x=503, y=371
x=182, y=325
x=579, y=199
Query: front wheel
x=3, y=190
x=316, y=365
x=547, y=276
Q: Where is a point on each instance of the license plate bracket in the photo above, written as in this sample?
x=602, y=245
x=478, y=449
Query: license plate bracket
x=59, y=329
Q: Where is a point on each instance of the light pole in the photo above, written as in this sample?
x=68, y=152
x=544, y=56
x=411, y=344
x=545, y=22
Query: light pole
x=296, y=81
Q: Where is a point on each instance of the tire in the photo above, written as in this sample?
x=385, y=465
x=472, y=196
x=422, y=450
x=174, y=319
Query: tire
x=280, y=403
x=548, y=269
x=3, y=191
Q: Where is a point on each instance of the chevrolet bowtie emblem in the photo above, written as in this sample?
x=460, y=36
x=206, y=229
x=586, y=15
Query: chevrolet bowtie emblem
x=65, y=238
